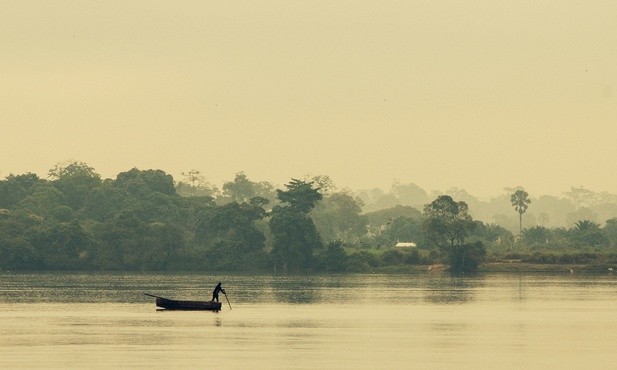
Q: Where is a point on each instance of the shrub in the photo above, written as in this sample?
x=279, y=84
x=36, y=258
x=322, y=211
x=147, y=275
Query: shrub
x=392, y=257
x=465, y=258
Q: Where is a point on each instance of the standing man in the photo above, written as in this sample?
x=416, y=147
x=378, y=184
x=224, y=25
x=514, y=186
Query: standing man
x=215, y=294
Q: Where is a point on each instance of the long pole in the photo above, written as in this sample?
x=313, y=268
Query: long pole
x=227, y=300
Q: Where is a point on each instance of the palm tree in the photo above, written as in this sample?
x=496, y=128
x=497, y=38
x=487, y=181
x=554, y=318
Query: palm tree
x=520, y=201
x=586, y=226
x=586, y=232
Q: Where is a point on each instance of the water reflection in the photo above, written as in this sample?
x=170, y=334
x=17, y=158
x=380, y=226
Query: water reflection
x=451, y=291
x=449, y=296
x=296, y=290
x=327, y=322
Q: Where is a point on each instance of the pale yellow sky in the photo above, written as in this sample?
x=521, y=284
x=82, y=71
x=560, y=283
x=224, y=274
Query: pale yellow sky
x=478, y=94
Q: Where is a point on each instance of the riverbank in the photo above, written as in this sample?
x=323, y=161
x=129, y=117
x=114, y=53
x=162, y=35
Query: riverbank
x=506, y=267
x=516, y=266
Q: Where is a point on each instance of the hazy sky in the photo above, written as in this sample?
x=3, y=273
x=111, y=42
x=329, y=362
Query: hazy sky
x=479, y=95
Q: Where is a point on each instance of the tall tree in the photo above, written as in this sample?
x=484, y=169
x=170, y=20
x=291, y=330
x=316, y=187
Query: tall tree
x=76, y=180
x=300, y=195
x=447, y=221
x=295, y=235
x=520, y=201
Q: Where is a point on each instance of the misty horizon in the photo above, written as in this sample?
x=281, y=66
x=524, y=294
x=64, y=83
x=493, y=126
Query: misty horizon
x=182, y=177
x=482, y=95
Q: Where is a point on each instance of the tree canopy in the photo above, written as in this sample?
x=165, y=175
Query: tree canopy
x=447, y=221
x=140, y=220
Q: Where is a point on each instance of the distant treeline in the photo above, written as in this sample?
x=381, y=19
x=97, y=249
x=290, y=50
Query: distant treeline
x=144, y=220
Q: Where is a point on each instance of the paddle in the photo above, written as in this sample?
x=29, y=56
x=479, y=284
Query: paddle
x=227, y=300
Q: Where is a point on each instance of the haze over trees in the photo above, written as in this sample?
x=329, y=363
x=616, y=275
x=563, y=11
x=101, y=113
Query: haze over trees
x=145, y=220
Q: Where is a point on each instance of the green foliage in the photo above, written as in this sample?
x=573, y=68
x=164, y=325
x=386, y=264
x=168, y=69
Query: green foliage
x=338, y=217
x=138, y=221
x=62, y=246
x=15, y=188
x=361, y=262
x=465, y=258
x=413, y=258
x=242, y=190
x=491, y=234
x=141, y=183
x=232, y=235
x=104, y=202
x=520, y=201
x=385, y=216
x=405, y=229
x=536, y=235
x=17, y=253
x=334, y=258
x=62, y=213
x=295, y=234
x=42, y=200
x=300, y=195
x=400, y=223
x=295, y=239
x=392, y=257
x=610, y=231
x=127, y=243
x=586, y=232
x=75, y=180
x=447, y=222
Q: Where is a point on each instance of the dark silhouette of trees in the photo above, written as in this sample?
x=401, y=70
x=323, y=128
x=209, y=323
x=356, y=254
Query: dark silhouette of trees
x=140, y=220
x=466, y=258
x=447, y=224
x=295, y=235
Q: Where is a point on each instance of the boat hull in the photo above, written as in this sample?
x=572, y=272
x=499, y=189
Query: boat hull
x=172, y=304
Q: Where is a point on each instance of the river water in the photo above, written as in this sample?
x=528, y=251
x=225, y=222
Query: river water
x=103, y=320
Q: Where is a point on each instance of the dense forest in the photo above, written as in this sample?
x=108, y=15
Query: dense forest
x=145, y=220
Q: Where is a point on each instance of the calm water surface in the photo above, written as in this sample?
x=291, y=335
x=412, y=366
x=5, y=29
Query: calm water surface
x=100, y=320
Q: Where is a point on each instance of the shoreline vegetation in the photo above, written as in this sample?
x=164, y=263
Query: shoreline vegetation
x=501, y=267
x=506, y=267
x=144, y=220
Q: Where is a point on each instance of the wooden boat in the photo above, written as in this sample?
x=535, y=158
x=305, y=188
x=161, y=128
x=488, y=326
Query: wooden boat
x=172, y=304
